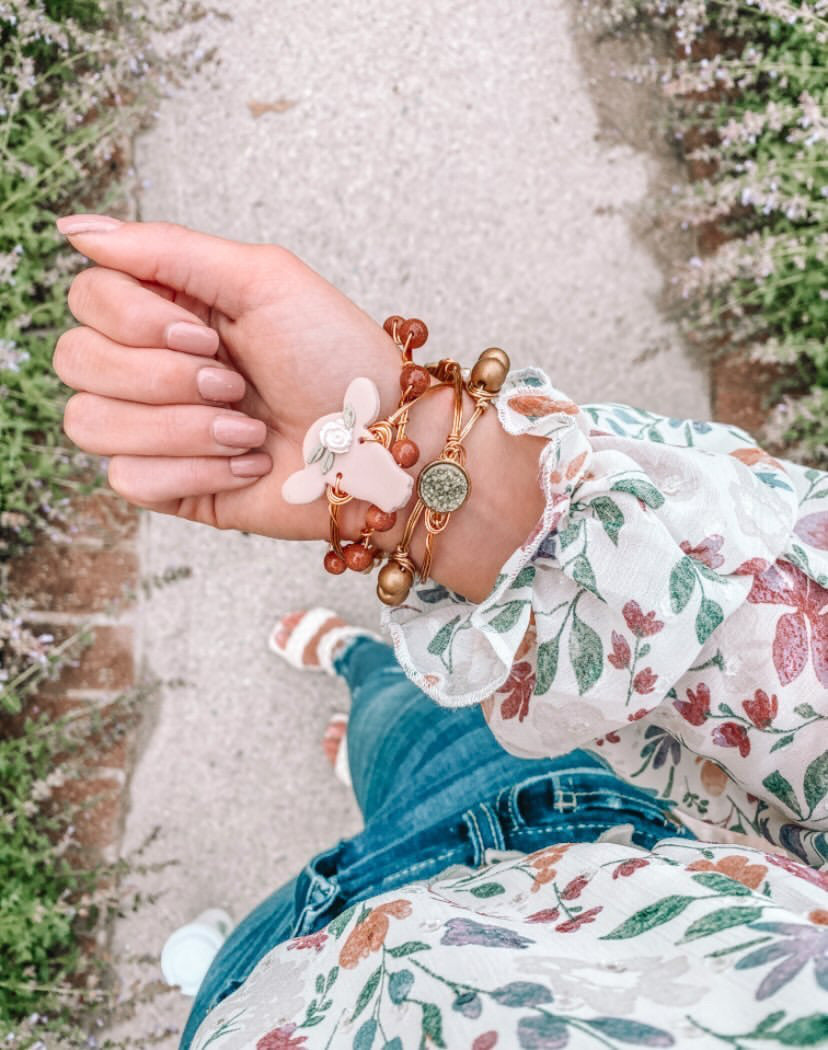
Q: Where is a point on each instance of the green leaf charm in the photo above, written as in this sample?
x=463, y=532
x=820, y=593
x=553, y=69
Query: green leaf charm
x=327, y=461
x=349, y=416
x=781, y=788
x=610, y=515
x=317, y=453
x=655, y=914
x=641, y=489
x=682, y=582
x=708, y=618
x=547, y=666
x=586, y=654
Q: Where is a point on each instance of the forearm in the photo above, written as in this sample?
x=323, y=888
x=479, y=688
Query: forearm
x=504, y=503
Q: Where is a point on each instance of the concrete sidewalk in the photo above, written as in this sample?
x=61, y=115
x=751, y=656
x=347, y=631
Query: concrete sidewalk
x=433, y=159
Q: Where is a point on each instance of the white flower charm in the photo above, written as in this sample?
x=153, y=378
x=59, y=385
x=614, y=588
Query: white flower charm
x=335, y=437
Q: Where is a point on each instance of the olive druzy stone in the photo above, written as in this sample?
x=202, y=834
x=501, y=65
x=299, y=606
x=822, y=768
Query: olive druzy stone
x=443, y=486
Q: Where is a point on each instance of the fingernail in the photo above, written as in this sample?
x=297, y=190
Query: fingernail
x=71, y=224
x=220, y=384
x=192, y=338
x=239, y=431
x=250, y=466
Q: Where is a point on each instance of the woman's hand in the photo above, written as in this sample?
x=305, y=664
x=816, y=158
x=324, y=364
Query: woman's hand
x=205, y=421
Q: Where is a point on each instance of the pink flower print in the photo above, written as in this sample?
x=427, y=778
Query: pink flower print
x=641, y=625
x=813, y=529
x=620, y=655
x=573, y=889
x=546, y=915
x=310, y=940
x=519, y=687
x=627, y=867
x=785, y=584
x=580, y=920
x=707, y=552
x=762, y=709
x=731, y=734
x=645, y=681
x=486, y=1041
x=696, y=707
x=281, y=1039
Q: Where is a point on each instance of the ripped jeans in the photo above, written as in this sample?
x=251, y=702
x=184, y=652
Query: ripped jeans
x=435, y=789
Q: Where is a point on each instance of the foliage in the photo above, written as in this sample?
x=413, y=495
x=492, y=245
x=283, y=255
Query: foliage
x=748, y=90
x=78, y=78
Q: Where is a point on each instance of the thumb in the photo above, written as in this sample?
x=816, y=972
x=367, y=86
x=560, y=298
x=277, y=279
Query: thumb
x=217, y=271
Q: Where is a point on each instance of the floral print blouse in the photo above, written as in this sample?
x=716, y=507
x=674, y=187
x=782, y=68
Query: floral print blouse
x=669, y=613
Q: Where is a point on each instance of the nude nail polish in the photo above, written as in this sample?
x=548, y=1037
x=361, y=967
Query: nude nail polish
x=191, y=338
x=69, y=225
x=250, y=466
x=239, y=431
x=220, y=384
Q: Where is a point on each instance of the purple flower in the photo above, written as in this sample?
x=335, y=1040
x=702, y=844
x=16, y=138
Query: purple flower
x=801, y=944
x=467, y=931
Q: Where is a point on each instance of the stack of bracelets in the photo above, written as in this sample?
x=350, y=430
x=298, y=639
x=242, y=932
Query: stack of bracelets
x=442, y=485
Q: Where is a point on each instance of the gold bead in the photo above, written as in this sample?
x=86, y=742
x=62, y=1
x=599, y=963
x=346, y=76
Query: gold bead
x=393, y=583
x=498, y=355
x=490, y=373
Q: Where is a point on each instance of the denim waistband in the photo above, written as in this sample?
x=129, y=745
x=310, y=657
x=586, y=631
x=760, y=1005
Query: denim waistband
x=576, y=805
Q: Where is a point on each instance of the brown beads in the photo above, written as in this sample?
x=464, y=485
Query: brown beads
x=393, y=583
x=358, y=557
x=334, y=564
x=380, y=520
x=405, y=452
x=414, y=381
x=490, y=373
x=389, y=322
x=416, y=330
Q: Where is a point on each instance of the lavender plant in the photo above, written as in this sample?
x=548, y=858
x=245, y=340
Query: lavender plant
x=748, y=91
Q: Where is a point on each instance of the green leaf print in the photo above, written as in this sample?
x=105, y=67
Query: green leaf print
x=805, y=711
x=525, y=576
x=364, y=1039
x=399, y=985
x=569, y=534
x=816, y=781
x=320, y=984
x=783, y=741
x=643, y=490
x=709, y=617
x=547, y=666
x=332, y=976
x=610, y=515
x=682, y=583
x=337, y=925
x=631, y=1031
x=654, y=914
x=433, y=1023
x=723, y=919
x=488, y=889
x=522, y=993
x=781, y=788
x=408, y=949
x=367, y=993
x=507, y=617
x=586, y=654
x=804, y=1031
x=439, y=643
x=545, y=1031
x=582, y=573
x=721, y=884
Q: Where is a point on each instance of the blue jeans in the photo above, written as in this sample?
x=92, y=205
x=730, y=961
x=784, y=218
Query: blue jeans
x=435, y=789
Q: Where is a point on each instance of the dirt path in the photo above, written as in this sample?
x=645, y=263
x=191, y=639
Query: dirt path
x=436, y=159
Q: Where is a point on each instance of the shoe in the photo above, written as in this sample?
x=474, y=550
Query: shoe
x=309, y=639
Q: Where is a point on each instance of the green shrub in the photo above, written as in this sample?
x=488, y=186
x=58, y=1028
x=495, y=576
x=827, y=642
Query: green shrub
x=749, y=105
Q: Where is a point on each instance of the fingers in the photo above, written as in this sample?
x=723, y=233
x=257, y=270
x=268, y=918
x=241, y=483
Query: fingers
x=130, y=313
x=88, y=361
x=217, y=271
x=108, y=427
x=160, y=482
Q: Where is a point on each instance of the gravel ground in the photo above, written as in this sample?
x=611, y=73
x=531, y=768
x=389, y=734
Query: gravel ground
x=451, y=161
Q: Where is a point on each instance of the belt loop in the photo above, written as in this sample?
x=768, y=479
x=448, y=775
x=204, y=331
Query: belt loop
x=484, y=831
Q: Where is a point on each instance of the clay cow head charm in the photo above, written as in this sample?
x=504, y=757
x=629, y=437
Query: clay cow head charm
x=339, y=444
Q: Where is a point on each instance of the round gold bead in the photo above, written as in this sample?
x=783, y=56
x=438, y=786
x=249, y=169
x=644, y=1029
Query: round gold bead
x=393, y=583
x=498, y=355
x=490, y=373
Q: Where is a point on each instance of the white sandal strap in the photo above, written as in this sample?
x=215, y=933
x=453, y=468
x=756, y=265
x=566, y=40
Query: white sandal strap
x=310, y=625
